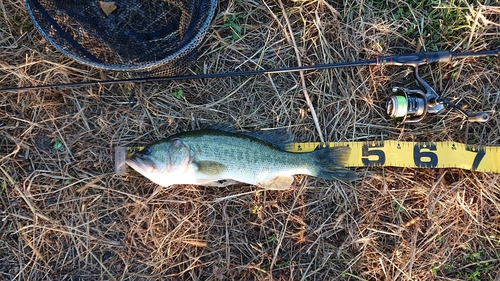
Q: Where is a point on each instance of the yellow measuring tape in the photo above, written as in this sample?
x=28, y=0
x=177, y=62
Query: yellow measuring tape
x=414, y=154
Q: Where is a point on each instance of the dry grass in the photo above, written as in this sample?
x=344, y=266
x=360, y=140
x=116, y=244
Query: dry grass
x=66, y=216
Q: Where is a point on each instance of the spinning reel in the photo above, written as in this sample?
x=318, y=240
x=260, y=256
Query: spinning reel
x=413, y=105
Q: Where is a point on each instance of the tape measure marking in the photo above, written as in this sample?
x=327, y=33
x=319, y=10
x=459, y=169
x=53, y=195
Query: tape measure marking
x=414, y=154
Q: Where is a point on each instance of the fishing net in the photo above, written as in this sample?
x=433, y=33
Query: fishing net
x=125, y=35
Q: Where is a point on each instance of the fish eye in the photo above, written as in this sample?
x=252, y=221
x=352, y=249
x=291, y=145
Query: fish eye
x=146, y=151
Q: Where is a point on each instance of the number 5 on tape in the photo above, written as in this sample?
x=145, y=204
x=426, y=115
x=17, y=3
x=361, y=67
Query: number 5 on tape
x=415, y=154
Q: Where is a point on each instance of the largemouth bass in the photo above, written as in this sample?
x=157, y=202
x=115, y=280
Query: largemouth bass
x=207, y=157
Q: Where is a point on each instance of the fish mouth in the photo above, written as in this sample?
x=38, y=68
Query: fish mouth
x=138, y=163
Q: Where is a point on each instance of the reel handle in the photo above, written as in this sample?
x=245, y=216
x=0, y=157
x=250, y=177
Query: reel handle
x=480, y=117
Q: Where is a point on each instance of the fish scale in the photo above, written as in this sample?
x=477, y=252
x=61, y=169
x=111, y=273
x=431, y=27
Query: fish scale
x=260, y=158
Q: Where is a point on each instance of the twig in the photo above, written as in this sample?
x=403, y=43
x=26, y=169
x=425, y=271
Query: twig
x=302, y=79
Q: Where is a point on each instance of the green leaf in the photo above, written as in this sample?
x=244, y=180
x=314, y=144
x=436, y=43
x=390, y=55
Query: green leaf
x=58, y=145
x=179, y=94
x=254, y=210
x=398, y=207
x=434, y=269
x=236, y=27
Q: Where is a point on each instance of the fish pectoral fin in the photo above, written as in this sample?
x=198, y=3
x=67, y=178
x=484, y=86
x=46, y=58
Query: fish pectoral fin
x=210, y=168
x=278, y=183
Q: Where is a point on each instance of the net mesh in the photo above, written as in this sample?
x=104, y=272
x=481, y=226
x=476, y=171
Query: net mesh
x=125, y=35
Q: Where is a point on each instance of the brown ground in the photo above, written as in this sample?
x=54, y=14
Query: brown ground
x=64, y=215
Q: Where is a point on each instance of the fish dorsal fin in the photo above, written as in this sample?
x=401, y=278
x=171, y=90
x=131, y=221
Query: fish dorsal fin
x=222, y=127
x=277, y=137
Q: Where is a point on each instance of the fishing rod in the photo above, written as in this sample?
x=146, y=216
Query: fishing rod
x=410, y=106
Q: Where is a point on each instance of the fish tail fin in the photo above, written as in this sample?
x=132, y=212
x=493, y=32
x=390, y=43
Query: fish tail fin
x=331, y=162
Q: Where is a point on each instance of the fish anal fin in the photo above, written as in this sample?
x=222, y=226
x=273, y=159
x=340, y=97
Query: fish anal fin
x=278, y=183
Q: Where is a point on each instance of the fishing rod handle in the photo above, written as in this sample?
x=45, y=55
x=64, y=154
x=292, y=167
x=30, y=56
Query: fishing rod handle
x=423, y=58
x=416, y=59
x=495, y=52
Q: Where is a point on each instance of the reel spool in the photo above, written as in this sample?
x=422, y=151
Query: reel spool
x=412, y=107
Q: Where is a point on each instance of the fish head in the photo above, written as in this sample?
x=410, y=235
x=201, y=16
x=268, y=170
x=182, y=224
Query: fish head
x=160, y=161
